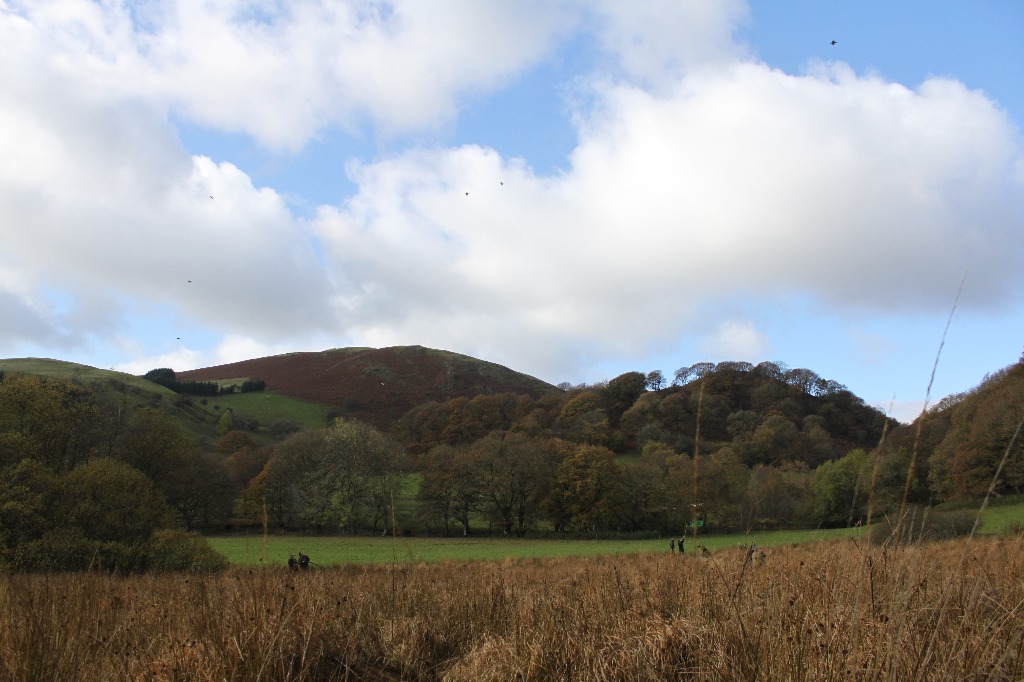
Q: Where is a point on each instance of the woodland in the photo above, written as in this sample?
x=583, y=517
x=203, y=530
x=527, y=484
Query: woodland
x=100, y=473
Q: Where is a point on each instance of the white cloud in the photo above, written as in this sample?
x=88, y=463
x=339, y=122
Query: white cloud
x=737, y=339
x=742, y=181
x=700, y=178
x=655, y=42
x=282, y=72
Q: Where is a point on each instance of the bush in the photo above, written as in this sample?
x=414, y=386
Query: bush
x=924, y=524
x=176, y=550
x=64, y=549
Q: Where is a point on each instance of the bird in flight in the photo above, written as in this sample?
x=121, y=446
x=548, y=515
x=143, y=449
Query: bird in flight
x=833, y=42
x=467, y=194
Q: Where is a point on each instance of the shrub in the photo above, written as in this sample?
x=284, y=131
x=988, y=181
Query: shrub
x=63, y=549
x=176, y=550
x=924, y=524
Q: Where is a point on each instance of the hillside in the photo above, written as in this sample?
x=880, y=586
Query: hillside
x=120, y=390
x=775, y=447
x=376, y=385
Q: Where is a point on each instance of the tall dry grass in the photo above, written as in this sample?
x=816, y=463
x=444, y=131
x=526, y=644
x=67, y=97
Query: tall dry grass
x=945, y=611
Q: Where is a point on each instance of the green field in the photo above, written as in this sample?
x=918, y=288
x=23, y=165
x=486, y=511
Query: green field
x=268, y=406
x=328, y=551
x=274, y=549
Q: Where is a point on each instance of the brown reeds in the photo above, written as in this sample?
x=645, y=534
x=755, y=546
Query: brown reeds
x=839, y=610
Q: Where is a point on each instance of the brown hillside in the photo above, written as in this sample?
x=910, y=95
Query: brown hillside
x=376, y=385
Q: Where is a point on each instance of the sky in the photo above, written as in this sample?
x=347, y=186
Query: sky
x=571, y=189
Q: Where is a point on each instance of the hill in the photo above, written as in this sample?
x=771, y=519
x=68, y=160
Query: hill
x=374, y=385
x=962, y=440
x=121, y=391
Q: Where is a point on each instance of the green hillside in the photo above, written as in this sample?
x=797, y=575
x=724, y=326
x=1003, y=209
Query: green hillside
x=199, y=416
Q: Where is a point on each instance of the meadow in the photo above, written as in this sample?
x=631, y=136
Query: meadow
x=831, y=610
x=267, y=407
x=273, y=550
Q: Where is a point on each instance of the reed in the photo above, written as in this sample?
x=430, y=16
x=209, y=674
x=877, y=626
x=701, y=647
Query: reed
x=835, y=610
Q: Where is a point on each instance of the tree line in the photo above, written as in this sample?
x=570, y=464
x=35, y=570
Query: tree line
x=166, y=377
x=85, y=485
x=90, y=477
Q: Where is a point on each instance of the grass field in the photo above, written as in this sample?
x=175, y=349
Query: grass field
x=273, y=550
x=268, y=406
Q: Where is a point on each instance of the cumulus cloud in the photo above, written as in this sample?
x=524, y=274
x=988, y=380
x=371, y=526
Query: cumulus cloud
x=282, y=72
x=701, y=177
x=656, y=42
x=101, y=203
x=741, y=182
x=737, y=339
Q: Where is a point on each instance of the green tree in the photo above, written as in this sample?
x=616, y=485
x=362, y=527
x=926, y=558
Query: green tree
x=779, y=496
x=981, y=431
x=108, y=500
x=775, y=440
x=52, y=420
x=588, y=480
x=157, y=445
x=583, y=420
x=28, y=492
x=622, y=392
x=356, y=474
x=841, y=488
x=273, y=492
x=643, y=413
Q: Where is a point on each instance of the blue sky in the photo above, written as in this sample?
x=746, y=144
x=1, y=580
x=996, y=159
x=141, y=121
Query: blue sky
x=571, y=189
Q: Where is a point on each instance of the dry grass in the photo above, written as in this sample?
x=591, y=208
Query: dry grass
x=841, y=610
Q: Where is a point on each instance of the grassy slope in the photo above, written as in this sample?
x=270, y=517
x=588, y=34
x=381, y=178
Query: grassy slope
x=270, y=406
x=198, y=418
x=83, y=373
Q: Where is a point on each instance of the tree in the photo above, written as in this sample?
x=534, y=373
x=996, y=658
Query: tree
x=643, y=494
x=28, y=492
x=779, y=496
x=53, y=420
x=742, y=424
x=355, y=475
x=588, y=481
x=655, y=380
x=233, y=441
x=108, y=500
x=776, y=439
x=583, y=420
x=273, y=491
x=515, y=472
x=643, y=412
x=804, y=379
x=159, y=447
x=841, y=488
x=682, y=375
x=981, y=432
x=623, y=390
x=451, y=488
